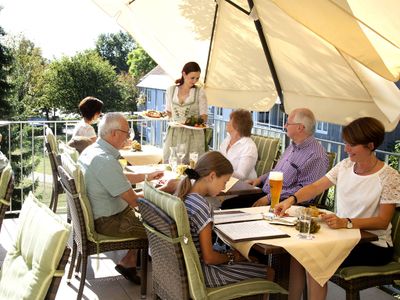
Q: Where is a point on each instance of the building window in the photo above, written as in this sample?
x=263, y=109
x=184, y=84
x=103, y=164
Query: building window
x=219, y=112
x=263, y=117
x=148, y=95
x=321, y=127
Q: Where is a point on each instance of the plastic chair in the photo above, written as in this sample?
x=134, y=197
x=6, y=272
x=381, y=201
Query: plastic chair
x=177, y=272
x=268, y=152
x=54, y=157
x=35, y=263
x=86, y=241
x=6, y=190
x=354, y=279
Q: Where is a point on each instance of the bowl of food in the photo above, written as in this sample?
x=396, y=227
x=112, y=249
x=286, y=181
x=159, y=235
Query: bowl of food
x=314, y=227
x=136, y=146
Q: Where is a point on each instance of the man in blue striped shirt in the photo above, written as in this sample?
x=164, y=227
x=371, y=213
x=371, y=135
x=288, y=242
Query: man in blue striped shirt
x=302, y=163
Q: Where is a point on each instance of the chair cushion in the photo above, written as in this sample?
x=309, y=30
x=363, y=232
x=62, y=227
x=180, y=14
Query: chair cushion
x=4, y=182
x=267, y=149
x=72, y=152
x=32, y=261
x=51, y=139
x=349, y=273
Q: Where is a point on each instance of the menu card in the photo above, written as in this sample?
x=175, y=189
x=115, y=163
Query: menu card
x=231, y=216
x=251, y=230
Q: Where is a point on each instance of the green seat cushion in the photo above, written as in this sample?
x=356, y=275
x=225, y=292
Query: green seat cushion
x=51, y=139
x=349, y=273
x=267, y=149
x=72, y=152
x=32, y=260
x=4, y=181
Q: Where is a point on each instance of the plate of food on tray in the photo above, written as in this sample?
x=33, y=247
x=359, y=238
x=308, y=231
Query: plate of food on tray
x=193, y=122
x=154, y=114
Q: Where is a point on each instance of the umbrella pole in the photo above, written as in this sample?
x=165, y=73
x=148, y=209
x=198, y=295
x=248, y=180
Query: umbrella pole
x=268, y=56
x=211, y=41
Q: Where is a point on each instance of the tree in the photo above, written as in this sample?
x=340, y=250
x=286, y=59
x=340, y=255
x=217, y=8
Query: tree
x=140, y=63
x=26, y=76
x=68, y=80
x=5, y=69
x=115, y=48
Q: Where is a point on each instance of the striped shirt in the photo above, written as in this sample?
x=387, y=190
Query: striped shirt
x=199, y=213
x=301, y=165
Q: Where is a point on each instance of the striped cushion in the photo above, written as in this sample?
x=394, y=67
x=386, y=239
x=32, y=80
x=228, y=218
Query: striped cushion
x=267, y=148
x=51, y=139
x=4, y=183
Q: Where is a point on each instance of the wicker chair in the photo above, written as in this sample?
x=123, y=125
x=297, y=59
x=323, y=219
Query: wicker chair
x=86, y=241
x=6, y=190
x=54, y=157
x=35, y=263
x=354, y=279
x=177, y=273
x=268, y=152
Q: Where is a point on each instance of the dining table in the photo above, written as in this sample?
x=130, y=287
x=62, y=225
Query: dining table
x=148, y=154
x=320, y=256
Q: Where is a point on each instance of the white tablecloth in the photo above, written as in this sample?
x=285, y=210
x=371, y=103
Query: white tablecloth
x=149, y=155
x=321, y=256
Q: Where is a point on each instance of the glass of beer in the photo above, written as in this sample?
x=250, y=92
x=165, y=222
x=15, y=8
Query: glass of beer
x=275, y=184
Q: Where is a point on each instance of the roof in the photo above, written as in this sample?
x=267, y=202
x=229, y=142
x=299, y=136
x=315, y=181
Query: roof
x=156, y=79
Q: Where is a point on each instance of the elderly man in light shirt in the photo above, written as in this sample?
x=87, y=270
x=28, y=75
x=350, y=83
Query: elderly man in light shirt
x=109, y=188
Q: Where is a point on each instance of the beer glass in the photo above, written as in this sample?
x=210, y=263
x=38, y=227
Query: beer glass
x=275, y=185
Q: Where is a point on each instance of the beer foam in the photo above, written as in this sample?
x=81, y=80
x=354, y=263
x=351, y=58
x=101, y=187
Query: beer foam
x=274, y=175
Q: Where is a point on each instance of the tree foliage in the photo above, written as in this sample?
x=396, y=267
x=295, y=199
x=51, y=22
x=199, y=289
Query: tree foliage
x=140, y=63
x=69, y=80
x=5, y=69
x=115, y=48
x=26, y=76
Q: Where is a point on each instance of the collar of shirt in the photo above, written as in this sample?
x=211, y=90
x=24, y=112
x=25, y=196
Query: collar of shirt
x=304, y=144
x=108, y=148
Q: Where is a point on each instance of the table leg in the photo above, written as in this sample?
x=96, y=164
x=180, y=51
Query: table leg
x=281, y=264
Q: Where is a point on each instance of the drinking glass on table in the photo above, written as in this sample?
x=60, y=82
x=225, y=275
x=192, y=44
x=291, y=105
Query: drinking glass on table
x=181, y=152
x=193, y=157
x=305, y=218
x=275, y=185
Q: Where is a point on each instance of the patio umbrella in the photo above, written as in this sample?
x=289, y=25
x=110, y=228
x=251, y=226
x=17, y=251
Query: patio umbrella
x=255, y=52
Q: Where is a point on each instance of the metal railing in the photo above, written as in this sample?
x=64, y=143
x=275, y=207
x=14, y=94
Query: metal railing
x=23, y=143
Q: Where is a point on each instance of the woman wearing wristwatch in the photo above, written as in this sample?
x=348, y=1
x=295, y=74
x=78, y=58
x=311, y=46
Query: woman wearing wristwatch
x=367, y=191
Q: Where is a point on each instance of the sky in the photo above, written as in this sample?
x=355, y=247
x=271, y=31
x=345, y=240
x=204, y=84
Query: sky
x=58, y=27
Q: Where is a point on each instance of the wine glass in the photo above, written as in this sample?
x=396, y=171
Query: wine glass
x=193, y=156
x=181, y=152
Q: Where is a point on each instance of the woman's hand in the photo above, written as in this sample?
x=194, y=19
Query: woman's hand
x=281, y=207
x=333, y=221
x=261, y=202
x=254, y=182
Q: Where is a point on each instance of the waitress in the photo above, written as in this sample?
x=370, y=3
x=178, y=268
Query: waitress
x=185, y=99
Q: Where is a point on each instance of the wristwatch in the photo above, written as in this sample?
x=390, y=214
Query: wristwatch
x=349, y=223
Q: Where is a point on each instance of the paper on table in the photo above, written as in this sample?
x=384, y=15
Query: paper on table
x=236, y=216
x=231, y=182
x=251, y=230
x=289, y=221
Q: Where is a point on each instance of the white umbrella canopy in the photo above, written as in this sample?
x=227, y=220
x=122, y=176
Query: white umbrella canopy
x=319, y=70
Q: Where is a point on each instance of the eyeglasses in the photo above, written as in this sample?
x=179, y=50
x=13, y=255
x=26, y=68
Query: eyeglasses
x=126, y=132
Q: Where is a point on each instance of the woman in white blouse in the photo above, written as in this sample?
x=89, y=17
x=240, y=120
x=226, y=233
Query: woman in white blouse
x=238, y=147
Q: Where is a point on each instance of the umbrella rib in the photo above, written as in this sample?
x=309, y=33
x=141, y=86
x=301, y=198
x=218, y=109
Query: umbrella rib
x=211, y=41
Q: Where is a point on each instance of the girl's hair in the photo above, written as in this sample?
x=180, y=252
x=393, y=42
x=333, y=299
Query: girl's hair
x=363, y=131
x=89, y=107
x=212, y=161
x=188, y=68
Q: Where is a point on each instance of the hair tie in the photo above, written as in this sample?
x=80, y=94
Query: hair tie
x=192, y=174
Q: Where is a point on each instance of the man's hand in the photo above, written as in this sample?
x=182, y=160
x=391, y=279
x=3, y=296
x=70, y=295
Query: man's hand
x=155, y=175
x=254, y=182
x=261, y=202
x=170, y=186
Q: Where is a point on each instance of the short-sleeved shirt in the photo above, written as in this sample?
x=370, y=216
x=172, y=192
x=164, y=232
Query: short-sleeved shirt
x=242, y=155
x=104, y=179
x=84, y=129
x=199, y=213
x=301, y=165
x=360, y=196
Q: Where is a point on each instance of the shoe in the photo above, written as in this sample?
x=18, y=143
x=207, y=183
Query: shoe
x=128, y=273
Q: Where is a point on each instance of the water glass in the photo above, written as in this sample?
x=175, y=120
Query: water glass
x=193, y=157
x=305, y=218
x=181, y=152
